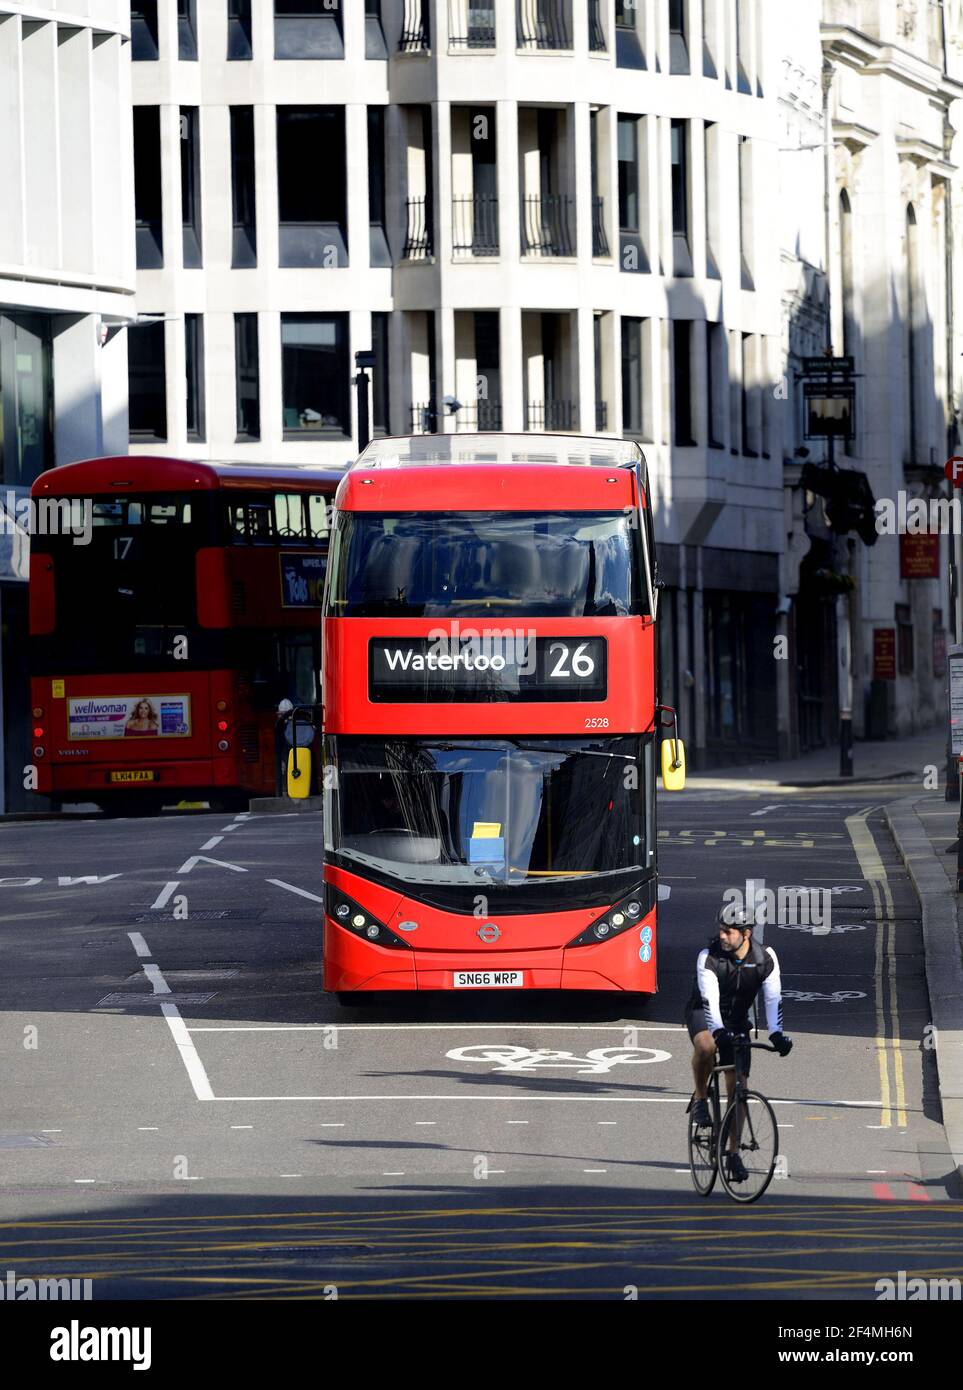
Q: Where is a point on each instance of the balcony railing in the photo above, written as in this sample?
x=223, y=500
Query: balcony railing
x=543, y=24
x=471, y=25
x=596, y=28
x=475, y=225
x=423, y=418
x=547, y=225
x=551, y=415
x=419, y=240
x=415, y=33
x=600, y=241
x=601, y=417
x=483, y=415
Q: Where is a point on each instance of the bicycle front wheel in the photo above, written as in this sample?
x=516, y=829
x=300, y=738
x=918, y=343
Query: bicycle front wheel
x=702, y=1157
x=748, y=1147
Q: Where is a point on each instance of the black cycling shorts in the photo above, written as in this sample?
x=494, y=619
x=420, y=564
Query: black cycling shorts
x=696, y=1022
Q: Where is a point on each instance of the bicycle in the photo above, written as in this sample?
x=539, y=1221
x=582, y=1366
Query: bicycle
x=749, y=1120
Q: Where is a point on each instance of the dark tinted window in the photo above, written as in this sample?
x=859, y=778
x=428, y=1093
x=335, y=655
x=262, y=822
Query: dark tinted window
x=486, y=564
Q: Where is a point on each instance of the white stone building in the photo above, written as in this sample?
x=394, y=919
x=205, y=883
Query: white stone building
x=552, y=212
x=67, y=279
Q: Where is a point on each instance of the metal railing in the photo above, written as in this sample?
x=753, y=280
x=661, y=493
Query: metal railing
x=596, y=29
x=471, y=25
x=415, y=32
x=547, y=225
x=550, y=415
x=475, y=225
x=419, y=239
x=600, y=241
x=483, y=415
x=542, y=24
x=423, y=418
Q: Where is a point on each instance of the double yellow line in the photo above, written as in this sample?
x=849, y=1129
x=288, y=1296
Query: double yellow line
x=873, y=870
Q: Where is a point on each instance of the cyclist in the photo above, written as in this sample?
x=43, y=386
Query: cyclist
x=729, y=974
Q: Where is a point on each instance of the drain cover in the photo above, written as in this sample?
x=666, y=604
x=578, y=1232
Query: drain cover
x=116, y=1001
x=179, y=977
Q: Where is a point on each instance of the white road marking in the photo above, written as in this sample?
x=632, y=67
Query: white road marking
x=495, y=1170
x=290, y=1175
x=395, y=1174
x=233, y=826
x=427, y=1027
x=575, y=1095
x=85, y=1179
x=517, y=1122
x=680, y=1170
x=608, y=1122
x=426, y=1122
x=593, y=1170
x=332, y=1124
x=146, y=1128
x=193, y=1063
x=766, y=809
x=301, y=892
x=242, y=1126
x=877, y=1172
x=195, y=859
x=212, y=842
x=158, y=984
x=51, y=1131
x=139, y=944
x=164, y=896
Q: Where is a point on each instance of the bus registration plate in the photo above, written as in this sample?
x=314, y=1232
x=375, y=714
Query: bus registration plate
x=488, y=979
x=133, y=776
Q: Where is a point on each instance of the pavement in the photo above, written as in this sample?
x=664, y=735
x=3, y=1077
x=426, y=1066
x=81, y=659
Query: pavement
x=924, y=827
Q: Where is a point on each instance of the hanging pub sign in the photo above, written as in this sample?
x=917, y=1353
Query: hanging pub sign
x=829, y=393
x=919, y=556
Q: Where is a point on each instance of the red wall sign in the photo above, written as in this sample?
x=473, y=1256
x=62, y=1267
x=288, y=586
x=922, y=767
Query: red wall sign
x=884, y=654
x=919, y=556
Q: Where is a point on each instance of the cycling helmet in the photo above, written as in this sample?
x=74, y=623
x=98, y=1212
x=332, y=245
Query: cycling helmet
x=732, y=916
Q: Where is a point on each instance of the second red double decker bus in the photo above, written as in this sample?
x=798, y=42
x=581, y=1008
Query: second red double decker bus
x=490, y=718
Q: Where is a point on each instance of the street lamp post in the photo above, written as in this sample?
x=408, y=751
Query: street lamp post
x=363, y=360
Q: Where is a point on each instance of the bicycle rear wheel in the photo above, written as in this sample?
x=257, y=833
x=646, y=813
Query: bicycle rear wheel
x=757, y=1147
x=702, y=1156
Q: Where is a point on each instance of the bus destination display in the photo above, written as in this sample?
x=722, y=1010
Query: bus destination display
x=513, y=667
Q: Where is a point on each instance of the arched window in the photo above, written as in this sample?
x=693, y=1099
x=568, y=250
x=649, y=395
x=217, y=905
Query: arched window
x=912, y=326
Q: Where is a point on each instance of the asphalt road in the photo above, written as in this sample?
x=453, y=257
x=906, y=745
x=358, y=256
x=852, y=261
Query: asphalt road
x=185, y=1113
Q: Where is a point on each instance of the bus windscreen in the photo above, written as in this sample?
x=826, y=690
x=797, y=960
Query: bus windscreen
x=487, y=565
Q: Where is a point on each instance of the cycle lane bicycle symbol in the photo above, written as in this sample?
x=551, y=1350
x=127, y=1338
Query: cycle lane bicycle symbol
x=597, y=1061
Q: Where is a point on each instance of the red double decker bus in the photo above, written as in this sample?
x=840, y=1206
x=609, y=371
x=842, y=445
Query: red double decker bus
x=490, y=718
x=173, y=604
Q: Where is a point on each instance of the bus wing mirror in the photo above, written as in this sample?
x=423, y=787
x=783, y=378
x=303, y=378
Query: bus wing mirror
x=299, y=773
x=673, y=764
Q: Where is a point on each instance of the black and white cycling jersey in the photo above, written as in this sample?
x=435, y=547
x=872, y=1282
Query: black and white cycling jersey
x=725, y=987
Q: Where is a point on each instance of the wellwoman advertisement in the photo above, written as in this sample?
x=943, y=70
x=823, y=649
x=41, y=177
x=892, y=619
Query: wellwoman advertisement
x=129, y=716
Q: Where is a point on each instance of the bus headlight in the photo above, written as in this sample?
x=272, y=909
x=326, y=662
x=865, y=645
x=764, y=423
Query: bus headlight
x=619, y=918
x=358, y=920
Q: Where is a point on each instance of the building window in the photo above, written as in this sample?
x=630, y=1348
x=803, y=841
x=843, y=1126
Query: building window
x=312, y=191
x=628, y=46
x=147, y=382
x=710, y=37
x=194, y=366
x=187, y=30
x=314, y=360
x=26, y=398
x=415, y=27
x=379, y=250
x=247, y=377
x=742, y=46
x=632, y=254
x=713, y=200
x=904, y=639
x=636, y=361
x=488, y=371
x=143, y=31
x=147, y=188
x=308, y=29
x=244, y=251
x=678, y=45
x=682, y=382
x=374, y=34
x=191, y=186
x=748, y=440
x=682, y=263
x=380, y=398
x=716, y=358
x=240, y=45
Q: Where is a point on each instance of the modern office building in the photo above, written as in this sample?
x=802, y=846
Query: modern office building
x=67, y=280
x=539, y=214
